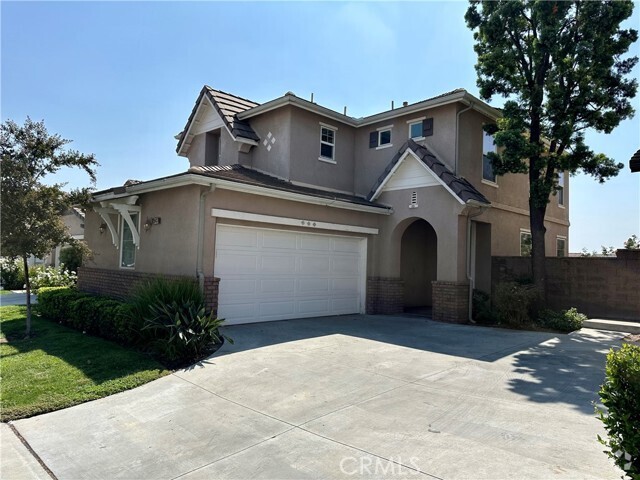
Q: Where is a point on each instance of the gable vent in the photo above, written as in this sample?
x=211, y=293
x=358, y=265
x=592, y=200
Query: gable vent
x=413, y=203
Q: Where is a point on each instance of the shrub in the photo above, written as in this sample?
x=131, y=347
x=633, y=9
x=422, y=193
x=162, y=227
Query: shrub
x=564, y=321
x=11, y=273
x=55, y=303
x=97, y=315
x=482, y=312
x=41, y=276
x=183, y=330
x=516, y=304
x=163, y=291
x=72, y=256
x=620, y=394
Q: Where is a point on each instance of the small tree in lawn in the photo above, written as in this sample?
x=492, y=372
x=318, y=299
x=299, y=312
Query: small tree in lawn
x=561, y=67
x=31, y=210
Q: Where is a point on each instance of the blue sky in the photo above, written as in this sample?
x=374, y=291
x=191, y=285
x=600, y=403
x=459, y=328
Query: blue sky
x=120, y=78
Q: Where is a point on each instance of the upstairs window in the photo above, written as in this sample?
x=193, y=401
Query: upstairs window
x=128, y=247
x=561, y=190
x=561, y=246
x=525, y=243
x=488, y=146
x=415, y=130
x=327, y=143
x=381, y=138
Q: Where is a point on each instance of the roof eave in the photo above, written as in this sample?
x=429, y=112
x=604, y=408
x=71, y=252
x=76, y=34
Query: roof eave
x=186, y=179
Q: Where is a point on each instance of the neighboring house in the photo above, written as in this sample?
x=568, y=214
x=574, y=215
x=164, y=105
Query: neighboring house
x=74, y=221
x=290, y=209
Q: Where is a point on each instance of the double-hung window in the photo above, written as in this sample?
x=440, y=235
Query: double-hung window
x=561, y=246
x=561, y=189
x=127, y=245
x=327, y=143
x=488, y=146
x=525, y=243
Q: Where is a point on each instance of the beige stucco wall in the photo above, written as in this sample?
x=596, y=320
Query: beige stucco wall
x=168, y=248
x=443, y=212
x=306, y=168
x=276, y=160
x=371, y=162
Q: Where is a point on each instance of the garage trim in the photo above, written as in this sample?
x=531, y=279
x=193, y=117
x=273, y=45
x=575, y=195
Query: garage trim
x=293, y=222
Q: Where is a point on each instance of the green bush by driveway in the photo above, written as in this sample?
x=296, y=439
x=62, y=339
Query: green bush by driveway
x=58, y=366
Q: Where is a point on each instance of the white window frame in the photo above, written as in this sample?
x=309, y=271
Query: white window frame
x=387, y=128
x=413, y=122
x=135, y=246
x=524, y=231
x=492, y=183
x=564, y=251
x=561, y=191
x=332, y=159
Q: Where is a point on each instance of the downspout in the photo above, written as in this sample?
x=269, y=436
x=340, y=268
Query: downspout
x=200, y=250
x=455, y=165
x=471, y=280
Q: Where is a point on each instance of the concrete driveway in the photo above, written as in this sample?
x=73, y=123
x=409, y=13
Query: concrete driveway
x=349, y=397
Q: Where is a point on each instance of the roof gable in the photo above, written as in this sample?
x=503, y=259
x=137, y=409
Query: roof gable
x=221, y=109
x=409, y=173
x=459, y=187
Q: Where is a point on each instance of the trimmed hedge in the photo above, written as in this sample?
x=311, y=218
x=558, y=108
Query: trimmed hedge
x=91, y=314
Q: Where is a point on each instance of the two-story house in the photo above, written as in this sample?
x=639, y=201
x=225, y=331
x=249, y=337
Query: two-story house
x=289, y=209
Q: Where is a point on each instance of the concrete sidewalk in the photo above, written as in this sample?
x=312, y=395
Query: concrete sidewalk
x=16, y=461
x=16, y=297
x=350, y=397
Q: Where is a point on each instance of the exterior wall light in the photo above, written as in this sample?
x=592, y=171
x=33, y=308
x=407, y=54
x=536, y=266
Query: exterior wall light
x=150, y=222
x=103, y=227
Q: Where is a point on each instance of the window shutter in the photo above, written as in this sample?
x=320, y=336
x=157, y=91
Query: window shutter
x=427, y=127
x=373, y=139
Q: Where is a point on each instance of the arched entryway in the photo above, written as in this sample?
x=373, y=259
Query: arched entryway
x=418, y=264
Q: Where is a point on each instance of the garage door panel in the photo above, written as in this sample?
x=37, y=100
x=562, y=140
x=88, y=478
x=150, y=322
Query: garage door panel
x=229, y=262
x=278, y=240
x=347, y=245
x=270, y=275
x=314, y=307
x=316, y=286
x=237, y=238
x=237, y=286
x=345, y=265
x=344, y=286
x=344, y=305
x=278, y=285
x=277, y=309
x=278, y=264
x=314, y=243
x=314, y=265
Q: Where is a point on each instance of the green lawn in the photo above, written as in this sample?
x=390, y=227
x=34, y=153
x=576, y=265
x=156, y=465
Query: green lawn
x=59, y=367
x=5, y=292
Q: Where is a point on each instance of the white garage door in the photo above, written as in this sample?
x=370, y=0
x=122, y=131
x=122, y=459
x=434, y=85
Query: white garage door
x=270, y=275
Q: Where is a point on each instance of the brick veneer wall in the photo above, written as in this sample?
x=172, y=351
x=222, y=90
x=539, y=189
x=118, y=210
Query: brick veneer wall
x=605, y=287
x=450, y=301
x=121, y=283
x=385, y=295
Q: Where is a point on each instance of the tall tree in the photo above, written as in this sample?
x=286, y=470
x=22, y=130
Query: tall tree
x=31, y=210
x=561, y=67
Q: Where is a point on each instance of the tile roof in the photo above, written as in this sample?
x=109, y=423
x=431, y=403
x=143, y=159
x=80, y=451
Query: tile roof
x=240, y=174
x=227, y=106
x=458, y=185
x=634, y=163
x=396, y=109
